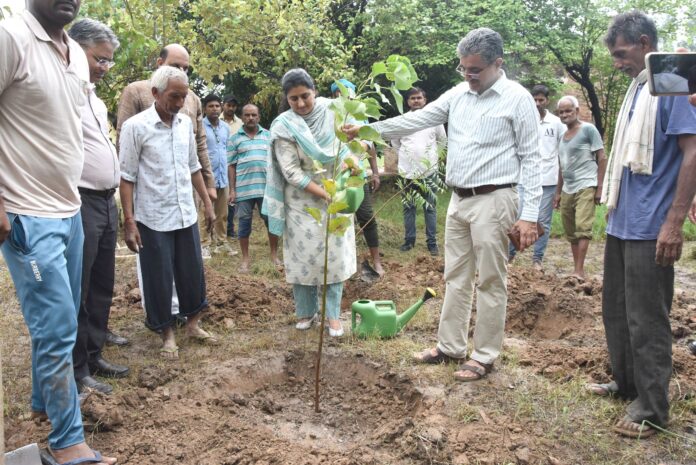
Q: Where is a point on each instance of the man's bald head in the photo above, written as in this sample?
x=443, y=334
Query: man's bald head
x=174, y=55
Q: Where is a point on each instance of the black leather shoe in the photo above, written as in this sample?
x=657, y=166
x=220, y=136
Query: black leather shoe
x=89, y=383
x=101, y=367
x=406, y=247
x=434, y=251
x=115, y=339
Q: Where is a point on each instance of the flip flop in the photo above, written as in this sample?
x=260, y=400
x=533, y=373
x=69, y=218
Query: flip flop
x=603, y=389
x=47, y=458
x=170, y=353
x=480, y=372
x=427, y=357
x=633, y=429
x=208, y=339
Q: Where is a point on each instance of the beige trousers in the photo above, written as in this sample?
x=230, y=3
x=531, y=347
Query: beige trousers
x=219, y=234
x=476, y=242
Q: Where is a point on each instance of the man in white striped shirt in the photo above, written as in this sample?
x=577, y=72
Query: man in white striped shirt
x=493, y=143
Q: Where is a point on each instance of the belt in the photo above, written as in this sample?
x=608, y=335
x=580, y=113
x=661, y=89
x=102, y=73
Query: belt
x=487, y=189
x=106, y=194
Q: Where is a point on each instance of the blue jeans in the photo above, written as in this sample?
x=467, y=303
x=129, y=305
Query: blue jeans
x=44, y=256
x=545, y=215
x=307, y=300
x=245, y=210
x=429, y=211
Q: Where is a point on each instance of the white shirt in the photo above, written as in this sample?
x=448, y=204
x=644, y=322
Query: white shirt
x=100, y=171
x=159, y=160
x=550, y=134
x=418, y=152
x=493, y=137
x=41, y=99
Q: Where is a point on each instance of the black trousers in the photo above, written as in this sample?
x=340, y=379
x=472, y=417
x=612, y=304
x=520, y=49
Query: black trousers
x=636, y=302
x=171, y=258
x=364, y=215
x=100, y=223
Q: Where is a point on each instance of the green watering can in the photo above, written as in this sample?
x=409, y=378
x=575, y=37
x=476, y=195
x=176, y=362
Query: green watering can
x=353, y=196
x=379, y=318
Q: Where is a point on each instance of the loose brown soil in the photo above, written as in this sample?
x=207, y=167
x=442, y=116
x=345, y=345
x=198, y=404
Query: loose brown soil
x=250, y=400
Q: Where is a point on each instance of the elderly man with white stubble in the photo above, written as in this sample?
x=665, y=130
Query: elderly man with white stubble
x=159, y=168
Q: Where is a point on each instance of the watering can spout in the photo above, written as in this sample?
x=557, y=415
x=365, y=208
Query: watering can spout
x=406, y=316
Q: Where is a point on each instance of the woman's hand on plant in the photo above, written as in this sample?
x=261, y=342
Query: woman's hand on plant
x=351, y=130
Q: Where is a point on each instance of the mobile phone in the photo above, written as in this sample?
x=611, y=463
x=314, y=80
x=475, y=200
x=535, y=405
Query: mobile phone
x=671, y=73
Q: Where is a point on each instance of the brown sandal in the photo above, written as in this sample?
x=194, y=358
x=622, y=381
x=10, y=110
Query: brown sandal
x=427, y=357
x=477, y=370
x=633, y=429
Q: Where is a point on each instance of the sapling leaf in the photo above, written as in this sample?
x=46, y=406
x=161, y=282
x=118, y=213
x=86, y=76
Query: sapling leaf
x=340, y=135
x=315, y=212
x=378, y=68
x=398, y=98
x=350, y=163
x=329, y=186
x=355, y=181
x=335, y=207
x=356, y=109
x=339, y=225
x=368, y=133
x=378, y=89
x=344, y=90
x=355, y=147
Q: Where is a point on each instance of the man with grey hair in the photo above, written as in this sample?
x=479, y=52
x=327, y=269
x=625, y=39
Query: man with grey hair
x=159, y=165
x=137, y=97
x=493, y=143
x=98, y=183
x=648, y=187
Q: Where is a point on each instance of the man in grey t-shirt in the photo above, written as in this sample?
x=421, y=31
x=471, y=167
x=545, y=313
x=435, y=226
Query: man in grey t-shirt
x=579, y=188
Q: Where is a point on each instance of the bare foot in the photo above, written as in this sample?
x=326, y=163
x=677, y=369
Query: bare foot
x=244, y=268
x=78, y=451
x=579, y=274
x=335, y=324
x=278, y=263
x=378, y=268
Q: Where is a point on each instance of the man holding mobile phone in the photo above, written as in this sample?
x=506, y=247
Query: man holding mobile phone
x=648, y=188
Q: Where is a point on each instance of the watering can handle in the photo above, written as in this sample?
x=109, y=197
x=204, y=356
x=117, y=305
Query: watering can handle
x=384, y=303
x=352, y=318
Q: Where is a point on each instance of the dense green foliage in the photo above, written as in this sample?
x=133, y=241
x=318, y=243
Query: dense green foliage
x=244, y=46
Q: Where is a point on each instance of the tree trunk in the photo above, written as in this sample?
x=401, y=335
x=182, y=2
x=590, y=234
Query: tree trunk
x=582, y=77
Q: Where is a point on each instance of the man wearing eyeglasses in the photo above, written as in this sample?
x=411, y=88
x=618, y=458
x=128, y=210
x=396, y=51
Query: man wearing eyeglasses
x=98, y=183
x=492, y=144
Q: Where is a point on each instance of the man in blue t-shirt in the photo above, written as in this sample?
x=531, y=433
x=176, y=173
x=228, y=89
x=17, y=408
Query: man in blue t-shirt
x=648, y=187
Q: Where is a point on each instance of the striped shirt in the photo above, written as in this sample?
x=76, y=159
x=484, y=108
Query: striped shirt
x=493, y=138
x=250, y=155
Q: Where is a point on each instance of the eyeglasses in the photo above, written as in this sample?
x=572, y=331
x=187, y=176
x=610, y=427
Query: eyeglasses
x=104, y=62
x=462, y=72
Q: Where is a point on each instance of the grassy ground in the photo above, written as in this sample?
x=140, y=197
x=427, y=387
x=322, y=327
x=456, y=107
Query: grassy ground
x=558, y=414
x=392, y=215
